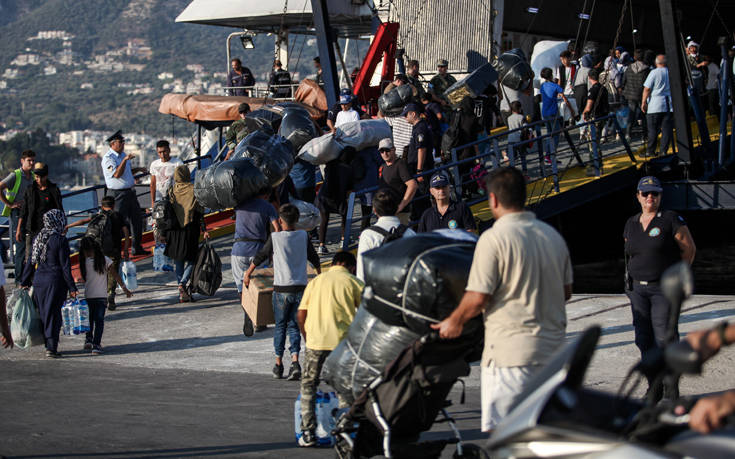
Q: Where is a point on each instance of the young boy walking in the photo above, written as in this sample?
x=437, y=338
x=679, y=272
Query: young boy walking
x=325, y=314
x=290, y=249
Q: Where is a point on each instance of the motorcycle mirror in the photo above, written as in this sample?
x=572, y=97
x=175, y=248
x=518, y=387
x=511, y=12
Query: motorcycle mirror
x=681, y=358
x=677, y=284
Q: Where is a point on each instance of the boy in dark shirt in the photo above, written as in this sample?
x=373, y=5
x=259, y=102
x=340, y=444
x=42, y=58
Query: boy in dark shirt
x=290, y=249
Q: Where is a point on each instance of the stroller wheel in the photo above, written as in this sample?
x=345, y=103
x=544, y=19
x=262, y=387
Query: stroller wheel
x=471, y=451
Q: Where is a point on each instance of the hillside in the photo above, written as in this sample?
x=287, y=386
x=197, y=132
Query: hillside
x=88, y=64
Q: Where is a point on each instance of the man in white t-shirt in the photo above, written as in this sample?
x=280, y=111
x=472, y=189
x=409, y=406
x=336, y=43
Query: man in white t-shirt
x=162, y=171
x=347, y=114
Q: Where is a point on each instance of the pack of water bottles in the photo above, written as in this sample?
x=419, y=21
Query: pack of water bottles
x=160, y=261
x=75, y=316
x=326, y=406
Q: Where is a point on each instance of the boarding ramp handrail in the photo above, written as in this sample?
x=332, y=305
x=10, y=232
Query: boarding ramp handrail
x=544, y=150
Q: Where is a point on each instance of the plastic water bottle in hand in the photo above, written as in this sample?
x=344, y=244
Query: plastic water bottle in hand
x=67, y=316
x=129, y=275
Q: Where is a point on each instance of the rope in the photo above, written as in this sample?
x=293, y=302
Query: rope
x=577, y=47
x=592, y=11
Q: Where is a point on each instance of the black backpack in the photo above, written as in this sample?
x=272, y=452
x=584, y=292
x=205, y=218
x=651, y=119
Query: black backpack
x=395, y=233
x=163, y=214
x=100, y=230
x=207, y=275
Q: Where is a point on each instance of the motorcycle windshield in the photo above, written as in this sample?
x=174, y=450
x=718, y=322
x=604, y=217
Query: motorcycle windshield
x=567, y=367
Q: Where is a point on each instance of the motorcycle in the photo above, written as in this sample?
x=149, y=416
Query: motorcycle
x=557, y=417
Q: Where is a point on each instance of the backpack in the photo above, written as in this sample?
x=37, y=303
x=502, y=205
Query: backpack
x=395, y=233
x=100, y=230
x=163, y=214
x=207, y=275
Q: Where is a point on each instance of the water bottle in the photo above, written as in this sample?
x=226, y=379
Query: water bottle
x=67, y=318
x=83, y=316
x=157, y=257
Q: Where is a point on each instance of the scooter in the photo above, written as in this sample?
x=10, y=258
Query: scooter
x=558, y=418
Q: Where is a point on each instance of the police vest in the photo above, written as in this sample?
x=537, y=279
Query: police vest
x=11, y=194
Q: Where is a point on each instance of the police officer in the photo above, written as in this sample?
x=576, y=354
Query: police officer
x=281, y=79
x=654, y=240
x=441, y=81
x=119, y=180
x=445, y=213
x=419, y=155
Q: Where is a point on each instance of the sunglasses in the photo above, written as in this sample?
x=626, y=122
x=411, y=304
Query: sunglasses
x=384, y=150
x=645, y=194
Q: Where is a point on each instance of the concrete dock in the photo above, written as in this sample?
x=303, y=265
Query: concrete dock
x=181, y=380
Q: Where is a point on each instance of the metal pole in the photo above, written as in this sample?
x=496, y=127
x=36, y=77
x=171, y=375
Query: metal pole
x=670, y=28
x=325, y=40
x=199, y=146
x=725, y=70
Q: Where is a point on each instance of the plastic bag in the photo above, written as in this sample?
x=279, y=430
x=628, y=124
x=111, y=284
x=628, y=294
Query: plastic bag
x=326, y=403
x=417, y=281
x=207, y=275
x=26, y=326
x=622, y=115
x=160, y=261
x=228, y=183
x=363, y=133
x=272, y=155
x=513, y=69
x=297, y=127
x=392, y=103
x=129, y=275
x=320, y=150
x=309, y=215
x=368, y=347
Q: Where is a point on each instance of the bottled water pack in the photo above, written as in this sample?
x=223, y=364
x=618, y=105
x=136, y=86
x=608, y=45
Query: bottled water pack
x=75, y=317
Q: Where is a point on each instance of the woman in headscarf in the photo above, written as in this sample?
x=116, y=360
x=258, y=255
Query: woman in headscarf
x=182, y=241
x=49, y=271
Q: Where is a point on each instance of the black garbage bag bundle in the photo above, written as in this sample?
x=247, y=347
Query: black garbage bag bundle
x=514, y=71
x=297, y=127
x=392, y=103
x=291, y=106
x=362, y=355
x=263, y=119
x=272, y=154
x=417, y=281
x=226, y=184
x=473, y=85
x=594, y=49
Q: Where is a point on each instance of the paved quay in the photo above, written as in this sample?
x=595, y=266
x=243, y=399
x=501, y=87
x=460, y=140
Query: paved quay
x=181, y=380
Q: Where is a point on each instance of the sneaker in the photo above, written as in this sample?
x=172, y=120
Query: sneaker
x=294, y=372
x=87, y=346
x=322, y=250
x=307, y=439
x=278, y=371
x=97, y=350
x=111, y=303
x=247, y=326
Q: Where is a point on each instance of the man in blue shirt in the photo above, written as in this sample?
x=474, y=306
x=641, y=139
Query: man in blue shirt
x=657, y=106
x=550, y=93
x=120, y=182
x=239, y=78
x=254, y=220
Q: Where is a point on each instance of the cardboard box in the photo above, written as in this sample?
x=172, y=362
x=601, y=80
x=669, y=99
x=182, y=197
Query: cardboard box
x=257, y=299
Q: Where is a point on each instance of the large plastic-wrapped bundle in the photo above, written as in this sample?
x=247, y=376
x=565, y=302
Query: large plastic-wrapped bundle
x=309, y=215
x=594, y=50
x=228, y=183
x=513, y=69
x=473, y=85
x=272, y=154
x=392, y=103
x=297, y=127
x=369, y=346
x=320, y=150
x=417, y=281
x=362, y=134
x=263, y=119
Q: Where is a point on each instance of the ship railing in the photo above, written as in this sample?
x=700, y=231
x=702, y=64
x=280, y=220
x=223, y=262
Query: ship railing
x=538, y=158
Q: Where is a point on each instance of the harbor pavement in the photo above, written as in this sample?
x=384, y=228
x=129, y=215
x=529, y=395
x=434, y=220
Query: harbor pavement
x=181, y=380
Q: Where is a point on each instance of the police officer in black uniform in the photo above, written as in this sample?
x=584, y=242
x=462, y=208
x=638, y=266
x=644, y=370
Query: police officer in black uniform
x=654, y=240
x=445, y=212
x=281, y=79
x=419, y=155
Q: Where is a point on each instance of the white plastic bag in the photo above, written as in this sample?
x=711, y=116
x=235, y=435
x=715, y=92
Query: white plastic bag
x=25, y=326
x=129, y=275
x=363, y=133
x=320, y=150
x=326, y=405
x=309, y=215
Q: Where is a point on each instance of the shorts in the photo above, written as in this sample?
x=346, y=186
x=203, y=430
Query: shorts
x=239, y=266
x=499, y=387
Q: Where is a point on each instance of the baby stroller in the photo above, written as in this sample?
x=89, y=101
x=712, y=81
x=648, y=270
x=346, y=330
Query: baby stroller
x=405, y=400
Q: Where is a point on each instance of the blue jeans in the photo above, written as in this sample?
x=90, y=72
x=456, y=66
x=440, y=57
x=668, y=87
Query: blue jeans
x=554, y=123
x=285, y=306
x=183, y=271
x=19, y=253
x=97, y=307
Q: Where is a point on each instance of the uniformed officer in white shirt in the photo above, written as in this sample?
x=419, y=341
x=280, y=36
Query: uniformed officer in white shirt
x=121, y=184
